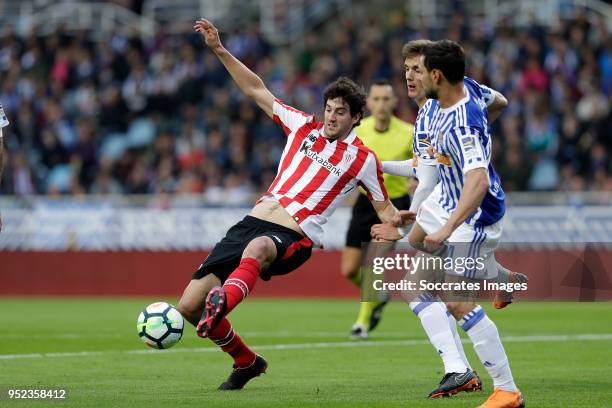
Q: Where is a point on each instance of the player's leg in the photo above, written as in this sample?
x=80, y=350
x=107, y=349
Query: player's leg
x=291, y=251
x=371, y=311
x=246, y=363
x=473, y=320
x=488, y=346
x=259, y=253
x=358, y=235
x=452, y=324
x=432, y=313
x=191, y=304
x=434, y=317
x=434, y=322
x=349, y=267
x=378, y=248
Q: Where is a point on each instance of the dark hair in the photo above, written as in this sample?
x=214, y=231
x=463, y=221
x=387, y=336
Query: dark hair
x=448, y=57
x=415, y=47
x=354, y=95
x=381, y=82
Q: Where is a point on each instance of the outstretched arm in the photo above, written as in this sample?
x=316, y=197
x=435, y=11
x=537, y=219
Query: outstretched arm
x=398, y=168
x=245, y=79
x=428, y=178
x=387, y=213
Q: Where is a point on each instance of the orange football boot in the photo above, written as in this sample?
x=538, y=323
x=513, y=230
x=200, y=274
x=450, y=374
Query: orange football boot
x=504, y=399
x=503, y=298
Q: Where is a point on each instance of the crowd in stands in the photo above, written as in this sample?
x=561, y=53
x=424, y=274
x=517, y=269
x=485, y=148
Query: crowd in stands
x=131, y=116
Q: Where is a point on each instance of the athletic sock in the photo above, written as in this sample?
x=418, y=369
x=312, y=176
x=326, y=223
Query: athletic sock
x=365, y=313
x=240, y=283
x=435, y=322
x=485, y=337
x=356, y=279
x=225, y=337
x=452, y=323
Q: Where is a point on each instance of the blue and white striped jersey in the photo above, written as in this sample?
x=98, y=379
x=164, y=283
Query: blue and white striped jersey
x=421, y=141
x=461, y=143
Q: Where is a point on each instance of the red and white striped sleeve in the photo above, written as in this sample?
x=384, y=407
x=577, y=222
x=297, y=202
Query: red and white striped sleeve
x=289, y=118
x=371, y=178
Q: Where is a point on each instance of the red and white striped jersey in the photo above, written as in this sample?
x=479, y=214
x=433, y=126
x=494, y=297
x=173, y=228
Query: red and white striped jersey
x=316, y=174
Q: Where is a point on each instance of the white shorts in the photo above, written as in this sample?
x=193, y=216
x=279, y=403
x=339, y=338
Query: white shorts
x=470, y=247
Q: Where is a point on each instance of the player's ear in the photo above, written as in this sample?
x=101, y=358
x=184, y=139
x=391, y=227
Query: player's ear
x=436, y=76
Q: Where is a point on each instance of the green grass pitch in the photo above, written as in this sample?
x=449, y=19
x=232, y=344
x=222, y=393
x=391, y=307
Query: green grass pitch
x=560, y=354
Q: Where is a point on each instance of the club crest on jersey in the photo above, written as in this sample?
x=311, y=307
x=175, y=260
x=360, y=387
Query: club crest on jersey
x=440, y=158
x=347, y=158
x=443, y=159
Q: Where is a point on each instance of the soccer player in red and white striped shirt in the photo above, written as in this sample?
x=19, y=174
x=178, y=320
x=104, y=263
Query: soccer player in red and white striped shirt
x=321, y=164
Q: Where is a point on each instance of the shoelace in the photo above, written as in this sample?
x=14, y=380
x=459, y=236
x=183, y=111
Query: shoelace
x=446, y=376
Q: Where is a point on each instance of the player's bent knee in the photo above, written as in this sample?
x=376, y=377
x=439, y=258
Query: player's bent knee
x=416, y=237
x=459, y=309
x=191, y=309
x=191, y=304
x=260, y=248
x=415, y=241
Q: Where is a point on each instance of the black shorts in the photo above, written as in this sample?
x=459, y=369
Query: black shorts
x=364, y=216
x=292, y=249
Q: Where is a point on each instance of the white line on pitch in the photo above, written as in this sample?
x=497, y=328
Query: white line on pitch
x=301, y=346
x=246, y=334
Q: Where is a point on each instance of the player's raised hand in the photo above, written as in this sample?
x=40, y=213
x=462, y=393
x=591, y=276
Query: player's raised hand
x=209, y=32
x=385, y=231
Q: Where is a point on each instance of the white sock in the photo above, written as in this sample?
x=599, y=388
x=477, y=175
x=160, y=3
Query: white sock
x=452, y=323
x=434, y=321
x=485, y=337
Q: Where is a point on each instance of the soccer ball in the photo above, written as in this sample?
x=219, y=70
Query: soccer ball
x=160, y=325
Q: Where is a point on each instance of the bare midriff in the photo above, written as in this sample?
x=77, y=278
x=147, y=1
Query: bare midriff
x=273, y=211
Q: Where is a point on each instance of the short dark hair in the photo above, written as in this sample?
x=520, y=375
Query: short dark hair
x=381, y=82
x=354, y=95
x=448, y=57
x=415, y=47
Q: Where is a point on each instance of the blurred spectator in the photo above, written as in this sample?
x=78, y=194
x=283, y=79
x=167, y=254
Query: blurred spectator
x=125, y=115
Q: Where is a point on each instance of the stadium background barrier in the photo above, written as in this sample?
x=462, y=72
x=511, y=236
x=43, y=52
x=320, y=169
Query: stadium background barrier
x=555, y=274
x=101, y=247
